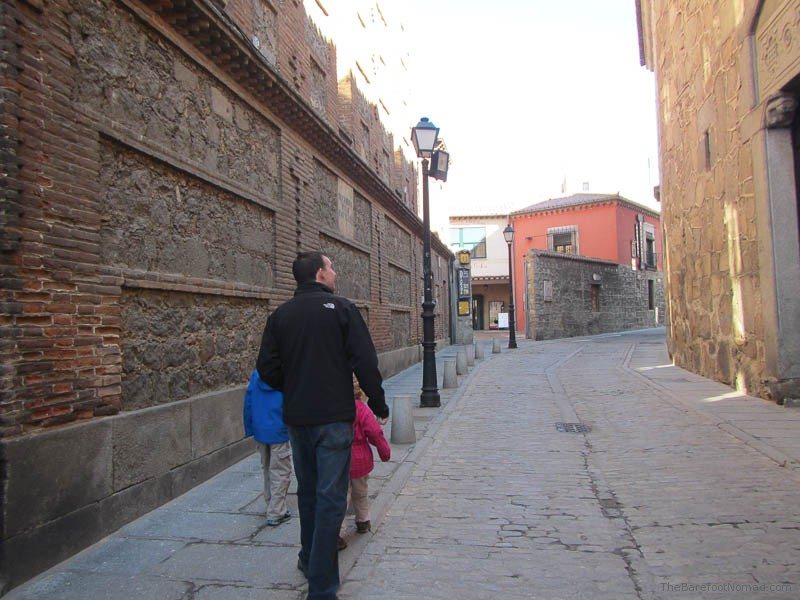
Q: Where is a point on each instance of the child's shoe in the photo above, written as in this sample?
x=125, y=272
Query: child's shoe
x=278, y=520
x=341, y=544
x=363, y=526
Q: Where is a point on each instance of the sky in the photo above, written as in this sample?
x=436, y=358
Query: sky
x=527, y=93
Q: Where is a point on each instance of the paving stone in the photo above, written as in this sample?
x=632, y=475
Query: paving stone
x=191, y=525
x=124, y=556
x=260, y=566
x=65, y=585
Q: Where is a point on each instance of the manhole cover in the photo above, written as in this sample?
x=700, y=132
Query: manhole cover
x=572, y=427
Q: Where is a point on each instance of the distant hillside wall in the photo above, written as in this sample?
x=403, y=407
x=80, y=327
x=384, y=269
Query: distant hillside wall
x=568, y=296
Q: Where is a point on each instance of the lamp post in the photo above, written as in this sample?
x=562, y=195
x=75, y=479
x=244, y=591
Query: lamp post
x=424, y=138
x=508, y=233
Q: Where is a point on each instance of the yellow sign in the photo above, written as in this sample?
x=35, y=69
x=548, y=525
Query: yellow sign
x=463, y=257
x=463, y=308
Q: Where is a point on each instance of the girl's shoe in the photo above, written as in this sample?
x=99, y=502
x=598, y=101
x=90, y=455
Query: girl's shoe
x=341, y=544
x=363, y=526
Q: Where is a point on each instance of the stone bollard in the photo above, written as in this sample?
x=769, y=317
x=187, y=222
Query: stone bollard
x=461, y=363
x=478, y=350
x=402, y=421
x=470, y=355
x=450, y=376
x=495, y=346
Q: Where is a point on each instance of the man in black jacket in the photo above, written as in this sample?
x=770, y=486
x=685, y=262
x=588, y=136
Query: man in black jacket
x=310, y=349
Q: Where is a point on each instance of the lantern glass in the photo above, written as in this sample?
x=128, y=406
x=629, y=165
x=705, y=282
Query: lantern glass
x=424, y=137
x=508, y=233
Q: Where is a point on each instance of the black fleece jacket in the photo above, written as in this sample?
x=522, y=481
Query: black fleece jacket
x=311, y=346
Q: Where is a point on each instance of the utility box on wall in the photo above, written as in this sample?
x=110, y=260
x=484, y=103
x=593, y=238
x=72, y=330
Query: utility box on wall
x=463, y=327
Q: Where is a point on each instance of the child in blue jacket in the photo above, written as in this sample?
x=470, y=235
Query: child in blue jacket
x=263, y=419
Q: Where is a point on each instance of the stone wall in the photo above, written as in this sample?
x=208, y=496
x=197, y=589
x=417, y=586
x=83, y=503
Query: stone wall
x=568, y=296
x=177, y=345
x=163, y=172
x=727, y=189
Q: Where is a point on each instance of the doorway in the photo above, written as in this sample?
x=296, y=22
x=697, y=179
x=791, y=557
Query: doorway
x=477, y=312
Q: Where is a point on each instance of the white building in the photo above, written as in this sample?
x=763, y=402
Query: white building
x=482, y=235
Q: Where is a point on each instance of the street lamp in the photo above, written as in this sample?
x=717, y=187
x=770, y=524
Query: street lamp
x=424, y=138
x=508, y=233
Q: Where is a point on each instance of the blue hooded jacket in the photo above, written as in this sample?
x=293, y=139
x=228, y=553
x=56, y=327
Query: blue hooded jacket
x=263, y=412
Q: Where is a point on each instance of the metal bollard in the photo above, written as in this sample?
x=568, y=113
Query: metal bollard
x=461, y=363
x=402, y=421
x=470, y=355
x=496, y=346
x=478, y=350
x=450, y=376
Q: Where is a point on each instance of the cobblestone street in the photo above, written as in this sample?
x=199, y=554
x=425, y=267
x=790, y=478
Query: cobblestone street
x=680, y=488
x=659, y=499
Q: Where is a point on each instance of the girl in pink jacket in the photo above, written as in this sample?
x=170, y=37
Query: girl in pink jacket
x=367, y=431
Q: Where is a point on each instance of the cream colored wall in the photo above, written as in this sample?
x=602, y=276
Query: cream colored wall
x=496, y=261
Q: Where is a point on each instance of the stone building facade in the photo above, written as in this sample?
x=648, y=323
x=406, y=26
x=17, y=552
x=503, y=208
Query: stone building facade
x=162, y=164
x=570, y=295
x=728, y=85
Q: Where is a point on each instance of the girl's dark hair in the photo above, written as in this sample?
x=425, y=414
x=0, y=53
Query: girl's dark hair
x=306, y=265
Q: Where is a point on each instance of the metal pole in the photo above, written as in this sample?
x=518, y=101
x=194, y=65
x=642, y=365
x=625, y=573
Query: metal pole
x=512, y=324
x=430, y=392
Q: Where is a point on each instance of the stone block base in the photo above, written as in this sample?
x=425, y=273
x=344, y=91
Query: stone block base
x=66, y=488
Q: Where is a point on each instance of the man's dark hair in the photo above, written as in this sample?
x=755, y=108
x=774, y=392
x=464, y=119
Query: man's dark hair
x=306, y=265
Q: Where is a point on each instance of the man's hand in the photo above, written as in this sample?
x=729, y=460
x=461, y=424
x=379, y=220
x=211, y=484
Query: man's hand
x=383, y=421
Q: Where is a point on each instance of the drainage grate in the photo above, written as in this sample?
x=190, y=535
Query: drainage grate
x=572, y=427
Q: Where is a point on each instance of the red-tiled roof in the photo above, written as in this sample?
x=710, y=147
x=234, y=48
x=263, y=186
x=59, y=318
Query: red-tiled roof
x=579, y=200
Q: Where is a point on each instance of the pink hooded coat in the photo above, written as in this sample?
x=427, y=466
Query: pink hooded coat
x=367, y=431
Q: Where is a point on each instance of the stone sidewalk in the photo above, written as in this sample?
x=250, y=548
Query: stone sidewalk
x=680, y=488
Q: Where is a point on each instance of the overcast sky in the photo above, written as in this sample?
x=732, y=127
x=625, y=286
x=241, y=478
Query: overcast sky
x=528, y=92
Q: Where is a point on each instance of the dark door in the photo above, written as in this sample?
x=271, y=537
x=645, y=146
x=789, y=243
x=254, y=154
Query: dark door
x=477, y=312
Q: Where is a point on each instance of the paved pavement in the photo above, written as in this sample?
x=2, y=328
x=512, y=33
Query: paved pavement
x=680, y=488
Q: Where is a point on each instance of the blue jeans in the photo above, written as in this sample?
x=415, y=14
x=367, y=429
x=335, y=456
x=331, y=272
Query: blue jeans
x=321, y=455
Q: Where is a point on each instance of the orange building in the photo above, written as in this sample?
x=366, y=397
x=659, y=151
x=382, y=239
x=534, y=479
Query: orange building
x=605, y=226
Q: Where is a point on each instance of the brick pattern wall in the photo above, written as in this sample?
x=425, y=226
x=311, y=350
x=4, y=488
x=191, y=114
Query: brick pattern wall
x=60, y=328
x=160, y=173
x=163, y=208
x=560, y=296
x=11, y=207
